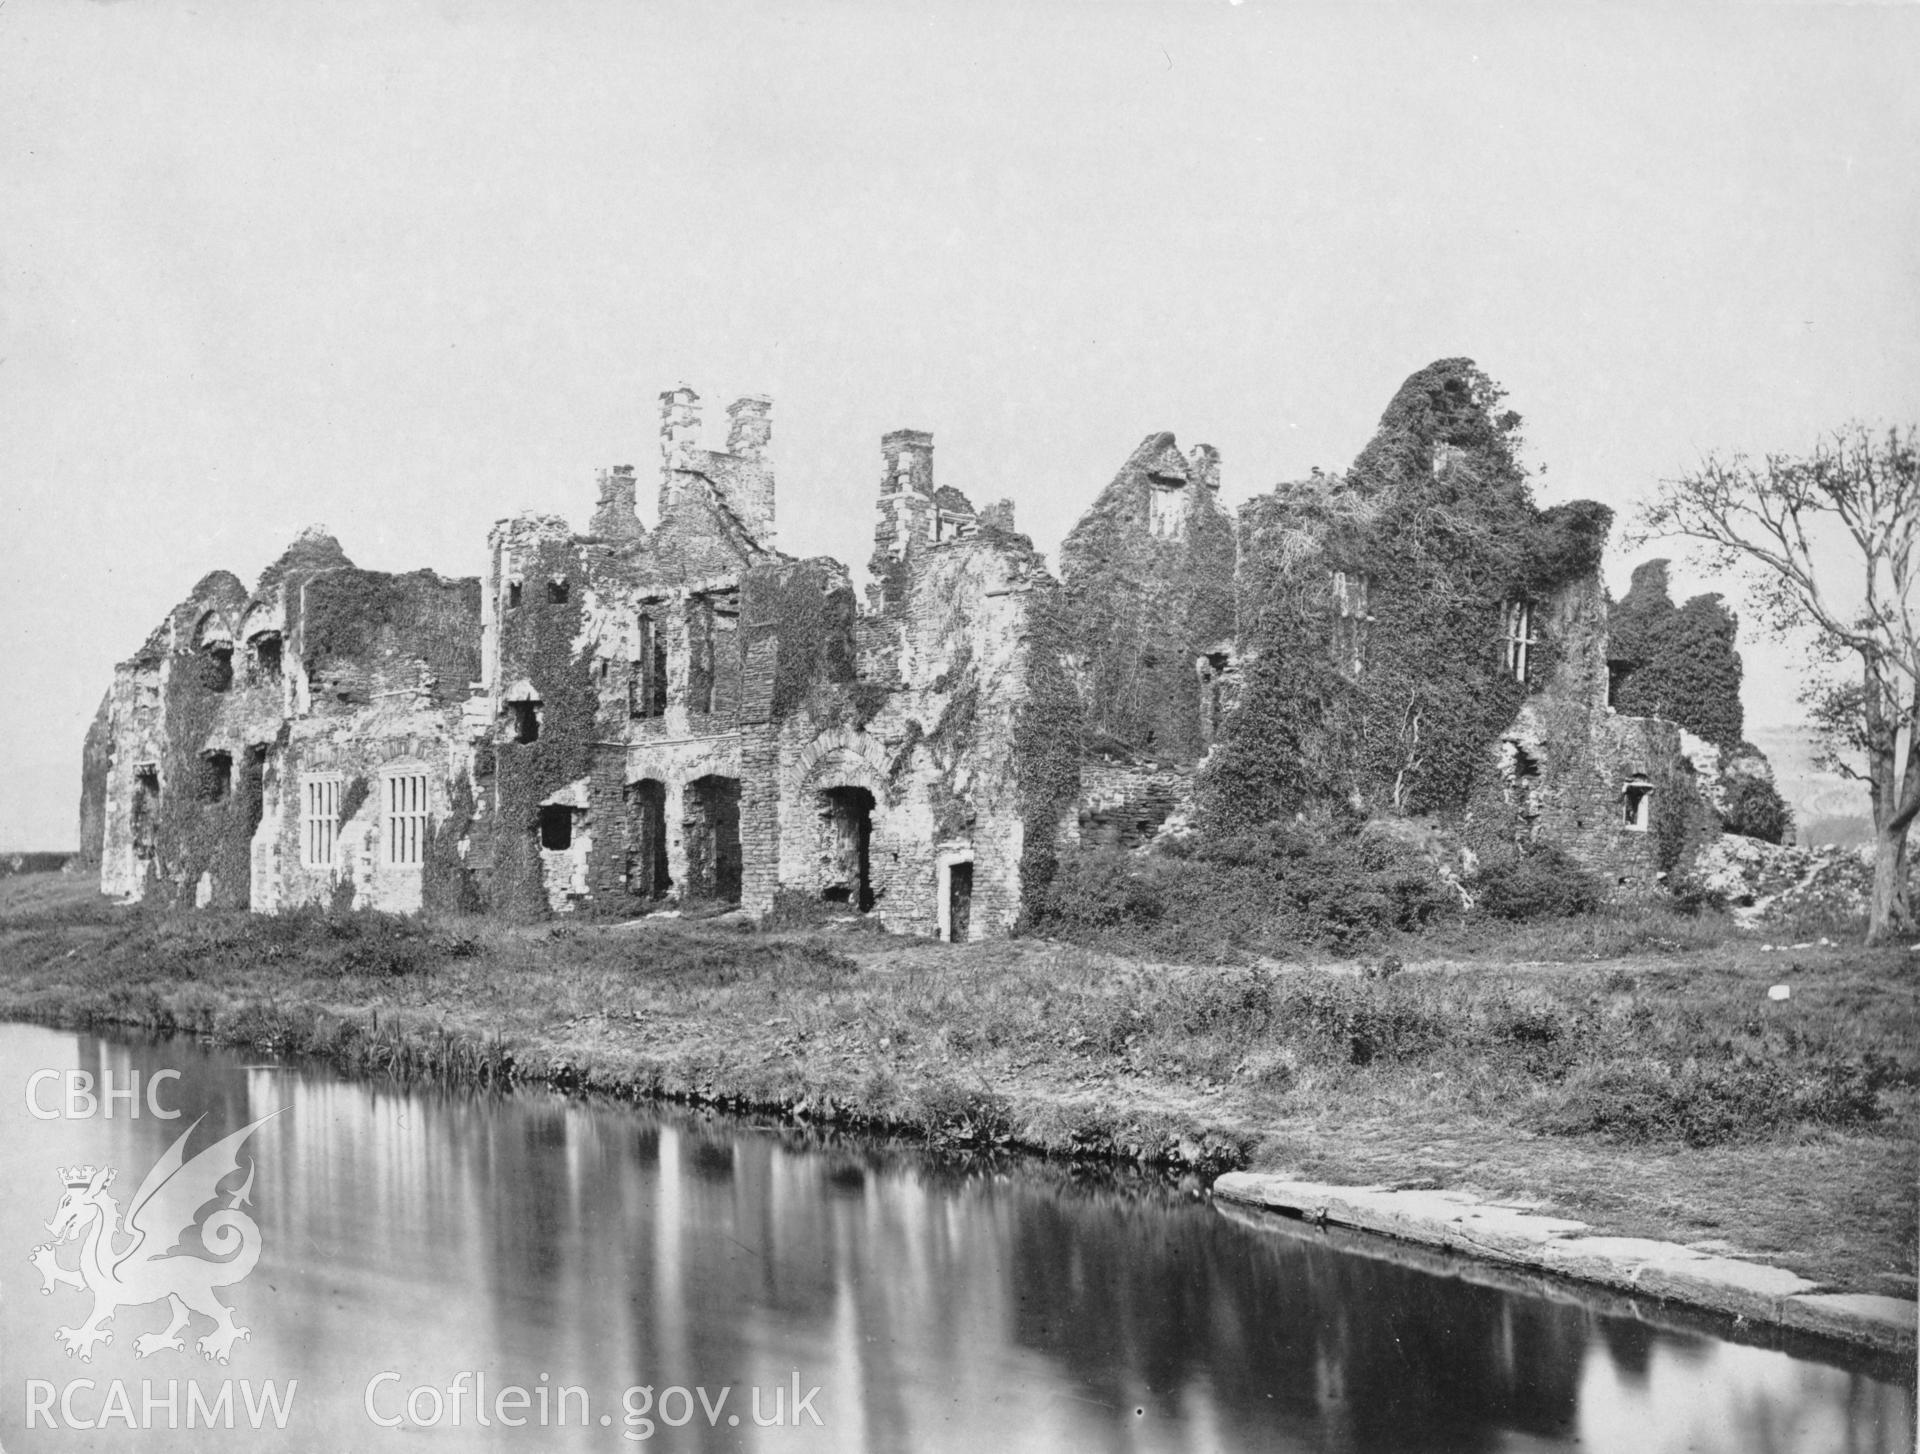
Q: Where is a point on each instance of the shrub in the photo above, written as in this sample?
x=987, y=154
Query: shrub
x=1755, y=808
x=1102, y=889
x=1359, y=1021
x=953, y=1114
x=795, y=909
x=1237, y=1001
x=1542, y=883
x=1709, y=1104
x=1274, y=886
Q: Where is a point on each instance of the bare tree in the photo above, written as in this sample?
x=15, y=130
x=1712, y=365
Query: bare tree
x=1833, y=537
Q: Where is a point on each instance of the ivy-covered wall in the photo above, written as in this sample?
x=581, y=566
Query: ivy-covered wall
x=685, y=711
x=1375, y=611
x=1677, y=662
x=210, y=731
x=1149, y=588
x=160, y=833
x=361, y=633
x=542, y=644
x=1048, y=743
x=207, y=812
x=804, y=612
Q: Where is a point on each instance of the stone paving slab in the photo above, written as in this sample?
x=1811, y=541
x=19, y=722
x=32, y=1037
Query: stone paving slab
x=1638, y=1265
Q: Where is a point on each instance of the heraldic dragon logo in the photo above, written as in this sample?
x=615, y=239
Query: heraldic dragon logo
x=142, y=1261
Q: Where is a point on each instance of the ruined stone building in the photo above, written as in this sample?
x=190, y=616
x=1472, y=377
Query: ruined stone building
x=629, y=718
x=618, y=718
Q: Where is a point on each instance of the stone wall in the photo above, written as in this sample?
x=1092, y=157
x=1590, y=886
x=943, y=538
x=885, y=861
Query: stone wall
x=1126, y=805
x=152, y=758
x=1616, y=792
x=96, y=761
x=1149, y=578
x=209, y=735
x=623, y=719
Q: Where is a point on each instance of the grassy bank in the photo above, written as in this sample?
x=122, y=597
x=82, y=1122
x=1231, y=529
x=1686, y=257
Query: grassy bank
x=1625, y=1068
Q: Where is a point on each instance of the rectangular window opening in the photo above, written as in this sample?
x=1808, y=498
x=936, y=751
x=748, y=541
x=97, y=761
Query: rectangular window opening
x=1352, y=610
x=1638, y=803
x=319, y=821
x=406, y=805
x=556, y=828
x=217, y=776
x=266, y=656
x=526, y=721
x=1517, y=629
x=557, y=593
x=146, y=810
x=648, y=688
x=1617, y=674
x=700, y=654
x=513, y=595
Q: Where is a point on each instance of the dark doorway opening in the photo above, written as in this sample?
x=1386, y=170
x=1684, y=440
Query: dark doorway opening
x=266, y=656
x=846, y=832
x=959, y=902
x=647, y=839
x=556, y=828
x=712, y=834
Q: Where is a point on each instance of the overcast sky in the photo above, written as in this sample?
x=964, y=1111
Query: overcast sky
x=406, y=268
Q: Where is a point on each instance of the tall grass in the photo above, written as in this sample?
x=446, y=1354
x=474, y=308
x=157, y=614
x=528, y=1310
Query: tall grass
x=1682, y=1047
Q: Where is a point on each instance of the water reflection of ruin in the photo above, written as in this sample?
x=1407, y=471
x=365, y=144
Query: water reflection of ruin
x=955, y=1306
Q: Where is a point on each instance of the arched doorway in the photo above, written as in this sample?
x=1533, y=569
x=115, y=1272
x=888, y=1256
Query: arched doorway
x=846, y=836
x=647, y=875
x=712, y=835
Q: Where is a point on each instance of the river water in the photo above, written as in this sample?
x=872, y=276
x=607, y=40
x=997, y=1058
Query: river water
x=416, y=1240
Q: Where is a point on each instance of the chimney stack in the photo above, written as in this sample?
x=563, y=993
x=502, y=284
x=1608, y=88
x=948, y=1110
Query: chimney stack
x=750, y=430
x=909, y=457
x=679, y=427
x=1203, y=465
x=616, y=517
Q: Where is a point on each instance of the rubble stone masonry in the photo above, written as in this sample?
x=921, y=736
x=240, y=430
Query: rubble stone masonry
x=630, y=719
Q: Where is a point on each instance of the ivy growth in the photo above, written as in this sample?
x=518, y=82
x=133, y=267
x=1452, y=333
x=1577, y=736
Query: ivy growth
x=810, y=613
x=447, y=884
x=207, y=813
x=1145, y=606
x=1377, y=610
x=1677, y=662
x=1046, y=751
x=537, y=643
x=353, y=619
